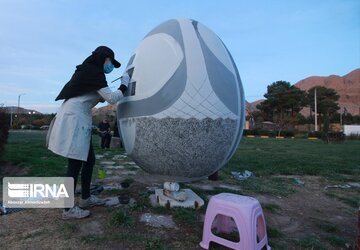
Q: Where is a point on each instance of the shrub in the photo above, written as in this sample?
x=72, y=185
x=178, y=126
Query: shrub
x=353, y=137
x=289, y=133
x=263, y=132
x=121, y=218
x=154, y=243
x=250, y=132
x=316, y=134
x=333, y=137
x=4, y=129
x=272, y=133
x=301, y=135
x=255, y=132
x=246, y=132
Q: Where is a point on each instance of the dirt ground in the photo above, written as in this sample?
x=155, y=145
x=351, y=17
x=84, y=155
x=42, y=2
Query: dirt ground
x=302, y=216
x=304, y=213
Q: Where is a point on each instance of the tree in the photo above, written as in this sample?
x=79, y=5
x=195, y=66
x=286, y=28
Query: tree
x=283, y=102
x=327, y=105
x=4, y=128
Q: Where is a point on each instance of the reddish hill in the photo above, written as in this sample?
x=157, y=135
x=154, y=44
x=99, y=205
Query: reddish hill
x=104, y=111
x=347, y=86
x=251, y=106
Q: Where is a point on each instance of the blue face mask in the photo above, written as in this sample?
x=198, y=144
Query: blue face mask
x=108, y=67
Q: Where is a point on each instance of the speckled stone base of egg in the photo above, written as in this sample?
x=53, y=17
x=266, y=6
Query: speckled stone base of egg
x=180, y=147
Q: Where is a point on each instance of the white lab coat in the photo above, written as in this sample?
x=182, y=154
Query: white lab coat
x=70, y=133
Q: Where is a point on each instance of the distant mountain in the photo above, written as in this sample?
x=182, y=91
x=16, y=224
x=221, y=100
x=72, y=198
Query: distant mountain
x=105, y=111
x=251, y=106
x=14, y=110
x=347, y=86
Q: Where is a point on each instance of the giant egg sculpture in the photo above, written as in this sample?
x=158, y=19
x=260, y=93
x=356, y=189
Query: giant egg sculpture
x=183, y=113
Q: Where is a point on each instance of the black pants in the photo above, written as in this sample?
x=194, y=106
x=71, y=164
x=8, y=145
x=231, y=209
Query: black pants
x=105, y=140
x=86, y=167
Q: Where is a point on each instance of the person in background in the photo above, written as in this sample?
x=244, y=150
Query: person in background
x=70, y=132
x=104, y=132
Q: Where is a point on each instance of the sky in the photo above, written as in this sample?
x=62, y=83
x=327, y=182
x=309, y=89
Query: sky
x=41, y=41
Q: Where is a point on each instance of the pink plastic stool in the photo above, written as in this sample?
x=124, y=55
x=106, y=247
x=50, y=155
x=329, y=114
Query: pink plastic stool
x=247, y=218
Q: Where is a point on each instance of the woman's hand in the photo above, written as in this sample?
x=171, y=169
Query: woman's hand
x=125, y=79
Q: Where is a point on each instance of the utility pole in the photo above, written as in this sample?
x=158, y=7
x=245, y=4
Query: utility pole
x=340, y=118
x=18, y=108
x=316, y=125
x=11, y=118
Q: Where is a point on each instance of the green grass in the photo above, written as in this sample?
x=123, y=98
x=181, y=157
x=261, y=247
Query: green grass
x=273, y=208
x=28, y=149
x=351, y=199
x=154, y=243
x=142, y=203
x=311, y=243
x=133, y=237
x=277, y=186
x=151, y=242
x=120, y=217
x=273, y=232
x=336, y=241
x=329, y=228
x=271, y=160
x=266, y=157
x=185, y=216
x=68, y=229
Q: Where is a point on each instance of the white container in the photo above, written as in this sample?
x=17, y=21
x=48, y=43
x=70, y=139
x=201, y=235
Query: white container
x=171, y=186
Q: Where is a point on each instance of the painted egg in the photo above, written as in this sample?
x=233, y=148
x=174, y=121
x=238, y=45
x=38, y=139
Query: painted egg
x=183, y=113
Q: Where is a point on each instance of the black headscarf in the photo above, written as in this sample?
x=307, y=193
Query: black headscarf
x=89, y=75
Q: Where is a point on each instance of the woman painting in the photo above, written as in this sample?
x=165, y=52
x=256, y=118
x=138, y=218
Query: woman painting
x=70, y=132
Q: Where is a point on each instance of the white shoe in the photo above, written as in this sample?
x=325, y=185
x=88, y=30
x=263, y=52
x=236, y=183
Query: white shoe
x=75, y=213
x=91, y=201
